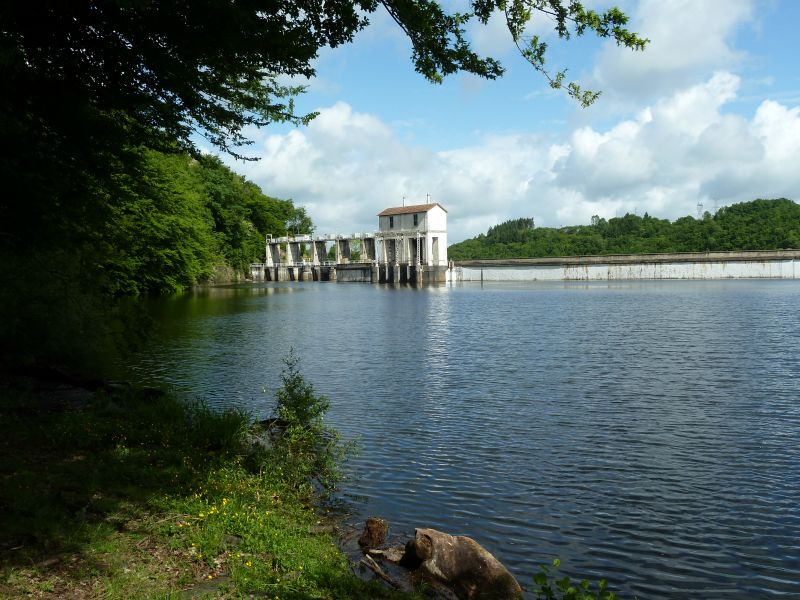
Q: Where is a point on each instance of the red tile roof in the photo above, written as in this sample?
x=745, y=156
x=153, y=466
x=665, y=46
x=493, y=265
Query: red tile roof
x=404, y=210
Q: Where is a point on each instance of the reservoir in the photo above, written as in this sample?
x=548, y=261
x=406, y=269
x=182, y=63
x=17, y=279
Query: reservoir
x=647, y=432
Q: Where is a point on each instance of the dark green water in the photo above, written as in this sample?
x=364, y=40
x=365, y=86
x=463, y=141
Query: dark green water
x=646, y=432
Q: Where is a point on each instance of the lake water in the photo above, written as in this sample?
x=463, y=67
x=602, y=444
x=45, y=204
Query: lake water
x=646, y=432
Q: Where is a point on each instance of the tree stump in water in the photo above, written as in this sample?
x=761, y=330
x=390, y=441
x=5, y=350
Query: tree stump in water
x=375, y=532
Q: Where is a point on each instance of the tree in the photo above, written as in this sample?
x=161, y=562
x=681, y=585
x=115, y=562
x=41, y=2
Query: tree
x=307, y=449
x=215, y=67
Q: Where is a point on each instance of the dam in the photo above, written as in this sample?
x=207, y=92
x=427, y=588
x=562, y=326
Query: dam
x=410, y=247
x=769, y=264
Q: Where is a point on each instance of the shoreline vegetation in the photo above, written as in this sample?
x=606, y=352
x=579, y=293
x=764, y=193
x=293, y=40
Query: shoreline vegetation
x=135, y=493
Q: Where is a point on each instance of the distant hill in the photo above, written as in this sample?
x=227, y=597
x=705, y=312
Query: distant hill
x=755, y=225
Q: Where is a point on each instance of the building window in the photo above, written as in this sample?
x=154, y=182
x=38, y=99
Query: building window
x=391, y=222
x=416, y=220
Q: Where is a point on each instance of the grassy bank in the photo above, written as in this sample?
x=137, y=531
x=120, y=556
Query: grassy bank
x=140, y=495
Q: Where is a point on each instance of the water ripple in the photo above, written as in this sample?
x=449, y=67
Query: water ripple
x=648, y=433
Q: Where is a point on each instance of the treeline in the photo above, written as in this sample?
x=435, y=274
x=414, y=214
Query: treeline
x=755, y=225
x=179, y=218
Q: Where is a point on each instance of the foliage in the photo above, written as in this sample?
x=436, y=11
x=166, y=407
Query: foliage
x=242, y=215
x=151, y=61
x=755, y=225
x=515, y=230
x=175, y=218
x=296, y=402
x=307, y=449
x=159, y=238
x=550, y=588
x=440, y=47
x=142, y=495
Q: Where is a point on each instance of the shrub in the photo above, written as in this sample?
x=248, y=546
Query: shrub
x=297, y=404
x=550, y=588
x=306, y=449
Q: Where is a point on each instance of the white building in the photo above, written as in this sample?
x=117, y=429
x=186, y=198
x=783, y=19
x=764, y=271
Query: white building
x=414, y=235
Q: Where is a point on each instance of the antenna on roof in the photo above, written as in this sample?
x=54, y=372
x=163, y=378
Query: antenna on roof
x=404, y=199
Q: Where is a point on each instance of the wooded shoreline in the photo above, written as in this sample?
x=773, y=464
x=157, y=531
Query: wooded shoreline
x=676, y=257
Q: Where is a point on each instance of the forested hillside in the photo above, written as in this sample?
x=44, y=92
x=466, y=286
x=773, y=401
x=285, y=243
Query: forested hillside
x=179, y=217
x=756, y=225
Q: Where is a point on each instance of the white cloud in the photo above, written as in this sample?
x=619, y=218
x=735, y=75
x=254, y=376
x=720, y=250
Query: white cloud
x=686, y=150
x=687, y=39
x=779, y=129
x=346, y=166
x=492, y=39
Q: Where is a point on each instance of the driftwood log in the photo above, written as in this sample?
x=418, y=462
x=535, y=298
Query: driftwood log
x=462, y=565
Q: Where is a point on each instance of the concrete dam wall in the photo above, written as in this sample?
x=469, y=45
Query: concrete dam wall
x=778, y=264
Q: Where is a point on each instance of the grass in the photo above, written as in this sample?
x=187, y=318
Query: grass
x=137, y=495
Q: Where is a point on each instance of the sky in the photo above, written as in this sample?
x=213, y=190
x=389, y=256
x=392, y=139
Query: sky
x=708, y=114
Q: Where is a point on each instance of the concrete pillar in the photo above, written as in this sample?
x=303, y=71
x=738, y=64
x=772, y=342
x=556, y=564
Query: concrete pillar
x=293, y=253
x=332, y=274
x=342, y=251
x=368, y=253
x=273, y=254
x=374, y=274
x=318, y=252
x=396, y=273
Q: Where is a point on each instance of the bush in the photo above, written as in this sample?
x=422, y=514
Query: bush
x=306, y=449
x=550, y=588
x=297, y=404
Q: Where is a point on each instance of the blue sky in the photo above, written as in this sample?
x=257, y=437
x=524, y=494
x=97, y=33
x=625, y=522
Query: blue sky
x=709, y=113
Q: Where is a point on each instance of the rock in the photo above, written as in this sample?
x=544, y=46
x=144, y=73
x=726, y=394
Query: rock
x=394, y=554
x=462, y=564
x=375, y=532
